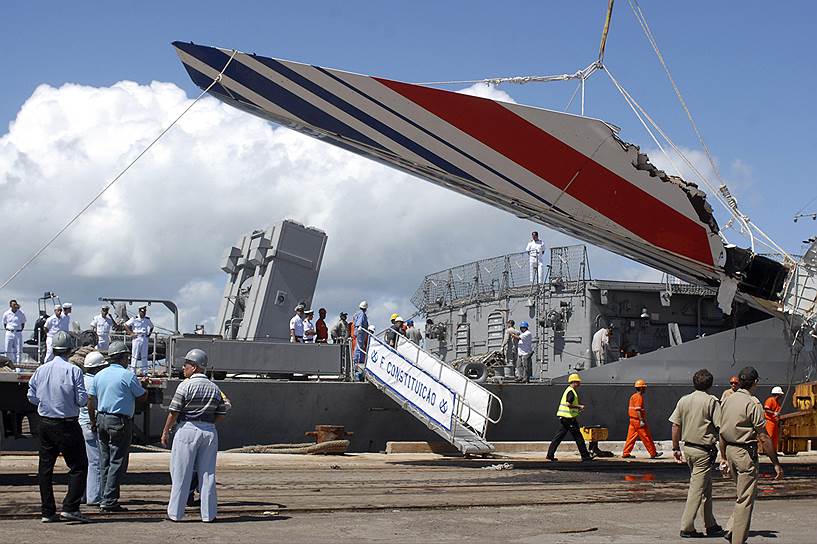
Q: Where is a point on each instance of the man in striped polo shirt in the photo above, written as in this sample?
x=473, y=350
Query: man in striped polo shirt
x=197, y=406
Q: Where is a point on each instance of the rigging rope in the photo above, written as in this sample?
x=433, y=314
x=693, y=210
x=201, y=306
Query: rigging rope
x=521, y=80
x=119, y=175
x=723, y=189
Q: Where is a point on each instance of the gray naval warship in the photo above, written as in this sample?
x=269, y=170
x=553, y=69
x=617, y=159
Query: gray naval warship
x=663, y=332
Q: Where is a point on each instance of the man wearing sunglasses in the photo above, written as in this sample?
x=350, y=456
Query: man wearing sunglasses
x=734, y=385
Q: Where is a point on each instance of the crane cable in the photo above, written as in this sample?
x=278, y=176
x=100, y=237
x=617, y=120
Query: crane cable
x=723, y=189
x=119, y=175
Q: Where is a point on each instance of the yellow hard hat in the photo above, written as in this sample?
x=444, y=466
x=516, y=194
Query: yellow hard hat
x=640, y=383
x=574, y=378
x=394, y=316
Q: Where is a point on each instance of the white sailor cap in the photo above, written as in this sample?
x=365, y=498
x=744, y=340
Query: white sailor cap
x=67, y=305
x=143, y=307
x=57, y=307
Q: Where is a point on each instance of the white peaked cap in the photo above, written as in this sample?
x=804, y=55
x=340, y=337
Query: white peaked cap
x=67, y=305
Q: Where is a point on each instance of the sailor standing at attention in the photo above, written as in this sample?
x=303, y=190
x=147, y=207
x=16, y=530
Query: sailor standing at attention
x=696, y=420
x=139, y=328
x=536, y=255
x=197, y=406
x=102, y=325
x=309, y=327
x=296, y=325
x=743, y=425
x=52, y=327
x=14, y=320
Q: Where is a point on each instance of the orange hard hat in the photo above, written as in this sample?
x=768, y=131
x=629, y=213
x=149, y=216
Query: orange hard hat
x=640, y=383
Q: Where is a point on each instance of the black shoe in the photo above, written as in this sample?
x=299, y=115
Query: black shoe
x=586, y=459
x=716, y=530
x=728, y=536
x=691, y=534
x=53, y=518
x=113, y=508
x=551, y=458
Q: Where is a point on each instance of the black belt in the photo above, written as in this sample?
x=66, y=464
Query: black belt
x=60, y=418
x=746, y=445
x=709, y=448
x=14, y=330
x=116, y=415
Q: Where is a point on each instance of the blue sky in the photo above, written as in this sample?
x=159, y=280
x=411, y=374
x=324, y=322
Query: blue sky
x=746, y=70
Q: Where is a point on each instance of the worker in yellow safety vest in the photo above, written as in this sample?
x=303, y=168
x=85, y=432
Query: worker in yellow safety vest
x=568, y=413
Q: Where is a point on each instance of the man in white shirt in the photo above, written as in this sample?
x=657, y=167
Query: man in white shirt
x=296, y=325
x=309, y=327
x=601, y=345
x=525, y=349
x=14, y=320
x=52, y=326
x=536, y=258
x=139, y=328
x=68, y=324
x=102, y=325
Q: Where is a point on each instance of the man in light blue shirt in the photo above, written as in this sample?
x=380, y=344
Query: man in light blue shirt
x=113, y=397
x=361, y=324
x=94, y=362
x=58, y=391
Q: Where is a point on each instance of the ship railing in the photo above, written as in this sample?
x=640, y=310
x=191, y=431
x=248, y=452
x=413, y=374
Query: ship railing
x=474, y=404
x=154, y=368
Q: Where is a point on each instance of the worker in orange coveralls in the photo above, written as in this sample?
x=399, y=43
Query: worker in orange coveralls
x=638, y=423
x=772, y=408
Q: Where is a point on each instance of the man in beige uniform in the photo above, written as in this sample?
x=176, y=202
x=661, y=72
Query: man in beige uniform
x=734, y=384
x=743, y=425
x=695, y=420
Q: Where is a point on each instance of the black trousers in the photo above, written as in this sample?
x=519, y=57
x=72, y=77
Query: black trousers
x=60, y=436
x=571, y=425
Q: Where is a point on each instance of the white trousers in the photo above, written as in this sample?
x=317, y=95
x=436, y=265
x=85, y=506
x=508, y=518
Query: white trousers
x=49, y=351
x=195, y=447
x=103, y=343
x=600, y=356
x=139, y=353
x=537, y=266
x=14, y=346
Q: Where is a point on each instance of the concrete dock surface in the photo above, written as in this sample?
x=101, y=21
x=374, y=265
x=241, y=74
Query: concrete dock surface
x=519, y=497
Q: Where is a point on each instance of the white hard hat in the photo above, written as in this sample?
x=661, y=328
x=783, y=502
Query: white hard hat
x=67, y=305
x=363, y=305
x=777, y=390
x=400, y=319
x=94, y=360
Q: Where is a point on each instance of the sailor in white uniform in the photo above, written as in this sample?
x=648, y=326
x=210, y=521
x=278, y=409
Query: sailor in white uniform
x=296, y=325
x=14, y=320
x=67, y=323
x=139, y=328
x=197, y=406
x=52, y=326
x=102, y=325
x=536, y=253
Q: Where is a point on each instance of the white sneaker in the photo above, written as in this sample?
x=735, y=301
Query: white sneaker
x=74, y=516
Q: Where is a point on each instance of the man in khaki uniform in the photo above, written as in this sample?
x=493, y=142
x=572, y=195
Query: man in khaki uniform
x=695, y=420
x=734, y=384
x=743, y=425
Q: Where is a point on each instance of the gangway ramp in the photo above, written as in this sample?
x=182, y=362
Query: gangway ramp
x=447, y=402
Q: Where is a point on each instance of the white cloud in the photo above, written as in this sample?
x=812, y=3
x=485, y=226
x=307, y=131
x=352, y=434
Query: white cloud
x=483, y=90
x=161, y=231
